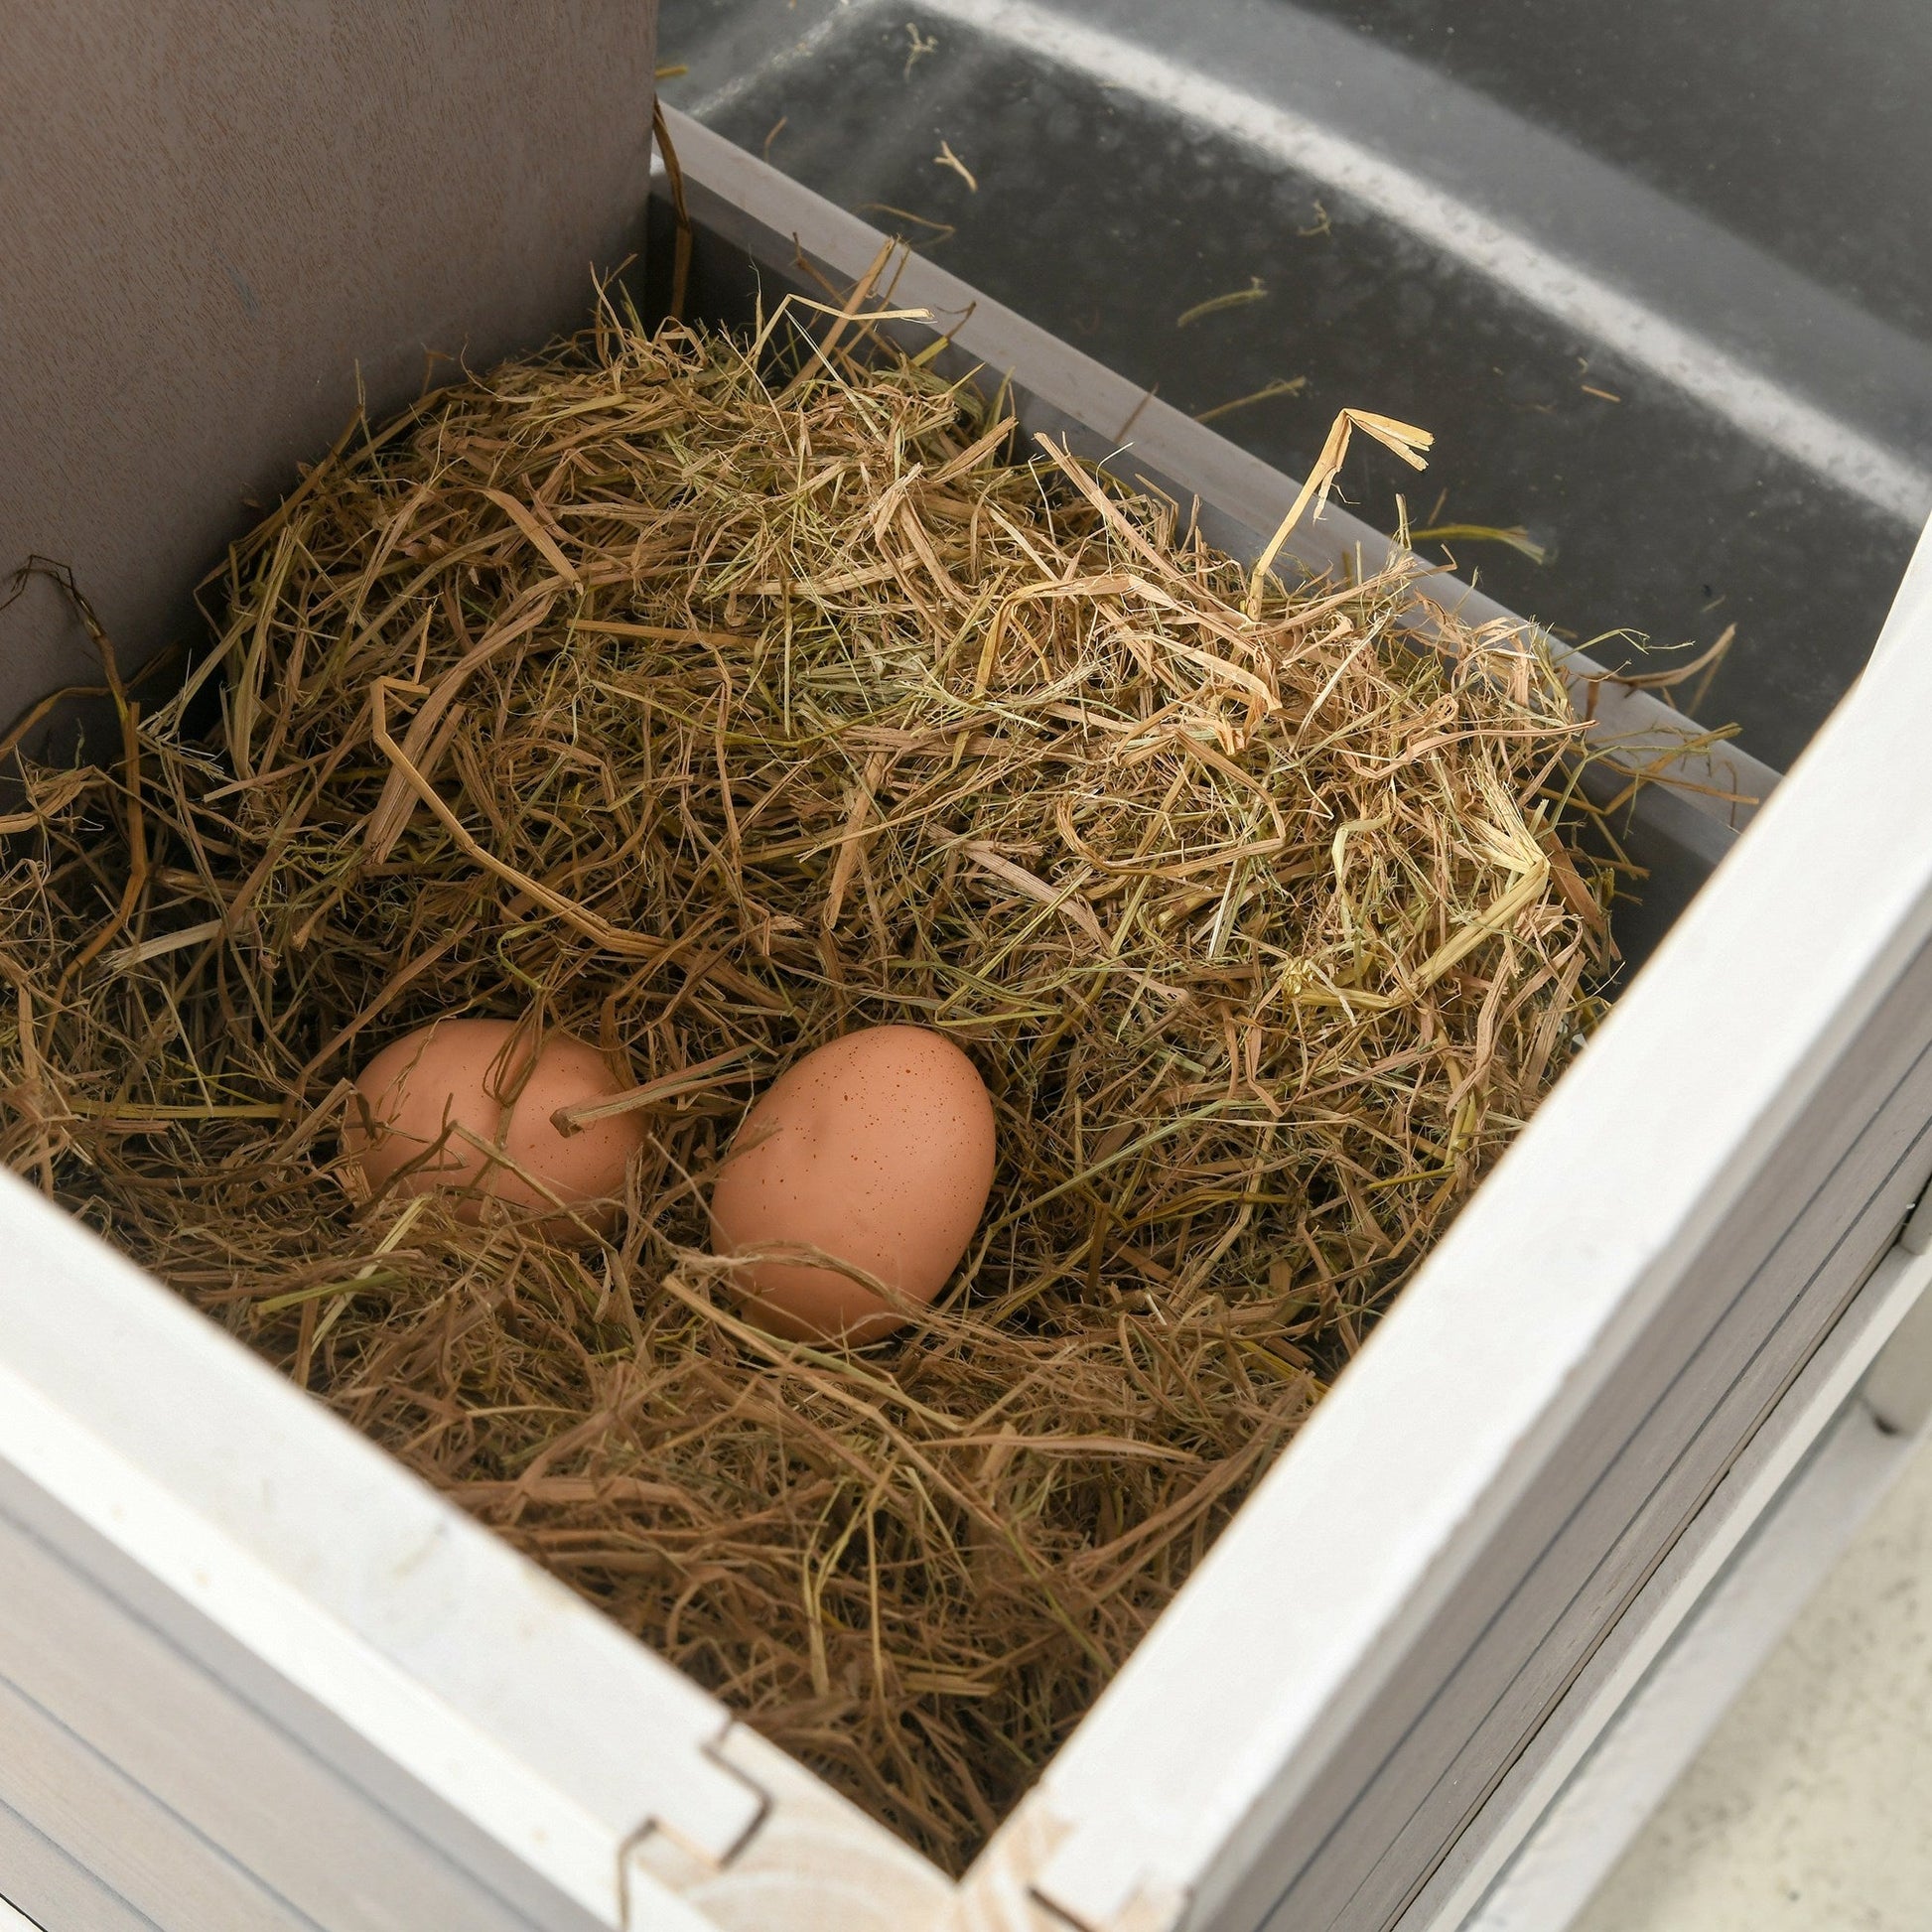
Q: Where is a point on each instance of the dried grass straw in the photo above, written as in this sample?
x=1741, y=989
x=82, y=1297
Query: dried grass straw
x=710, y=699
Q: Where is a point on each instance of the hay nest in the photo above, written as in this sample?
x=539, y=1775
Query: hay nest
x=708, y=699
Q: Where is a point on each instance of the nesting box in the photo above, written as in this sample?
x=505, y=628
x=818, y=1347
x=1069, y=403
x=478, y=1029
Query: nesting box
x=254, y=1674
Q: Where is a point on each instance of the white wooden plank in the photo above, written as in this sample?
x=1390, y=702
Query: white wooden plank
x=817, y=1865
x=113, y=1829
x=235, y=1779
x=1658, y=1731
x=1899, y=1392
x=1815, y=1405
x=1595, y=1563
x=49, y=1891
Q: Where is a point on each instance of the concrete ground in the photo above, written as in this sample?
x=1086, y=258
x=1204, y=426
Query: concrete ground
x=1811, y=1805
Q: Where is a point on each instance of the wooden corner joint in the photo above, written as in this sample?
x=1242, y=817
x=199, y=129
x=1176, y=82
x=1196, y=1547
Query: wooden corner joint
x=1010, y=1887
x=681, y=1853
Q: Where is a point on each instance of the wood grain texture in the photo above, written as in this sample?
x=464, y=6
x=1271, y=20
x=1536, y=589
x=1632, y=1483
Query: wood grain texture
x=218, y=213
x=49, y=1891
x=133, y=1845
x=13, y=1919
x=236, y=1787
x=816, y=1863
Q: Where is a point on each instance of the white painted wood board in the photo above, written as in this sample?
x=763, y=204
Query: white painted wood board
x=1659, y=1730
x=49, y=1890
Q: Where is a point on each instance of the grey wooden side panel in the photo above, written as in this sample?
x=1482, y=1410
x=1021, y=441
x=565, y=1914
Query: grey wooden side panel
x=56, y=1895
x=218, y=213
x=795, y=240
x=119, y=1832
x=232, y=1786
x=1752, y=1308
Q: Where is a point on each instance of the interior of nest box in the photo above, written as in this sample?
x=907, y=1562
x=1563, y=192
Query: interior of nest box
x=707, y=694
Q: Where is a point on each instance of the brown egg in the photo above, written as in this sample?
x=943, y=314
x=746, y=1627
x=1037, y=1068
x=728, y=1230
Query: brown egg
x=876, y=1148
x=477, y=1075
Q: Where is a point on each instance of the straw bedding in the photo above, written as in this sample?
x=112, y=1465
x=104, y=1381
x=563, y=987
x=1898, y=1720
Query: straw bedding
x=708, y=699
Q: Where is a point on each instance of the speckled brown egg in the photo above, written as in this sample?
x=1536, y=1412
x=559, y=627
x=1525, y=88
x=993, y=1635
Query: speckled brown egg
x=424, y=1095
x=876, y=1150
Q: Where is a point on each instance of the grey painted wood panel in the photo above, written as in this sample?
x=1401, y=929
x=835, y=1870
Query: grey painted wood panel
x=123, y=1835
x=231, y=1779
x=51, y=1891
x=221, y=218
x=1543, y=1826
x=1897, y=1150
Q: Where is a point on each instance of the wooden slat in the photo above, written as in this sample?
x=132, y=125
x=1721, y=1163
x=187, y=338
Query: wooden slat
x=111, y=1828
x=234, y=1784
x=1819, y=1421
x=48, y=1892
x=13, y=1919
x=466, y=1693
